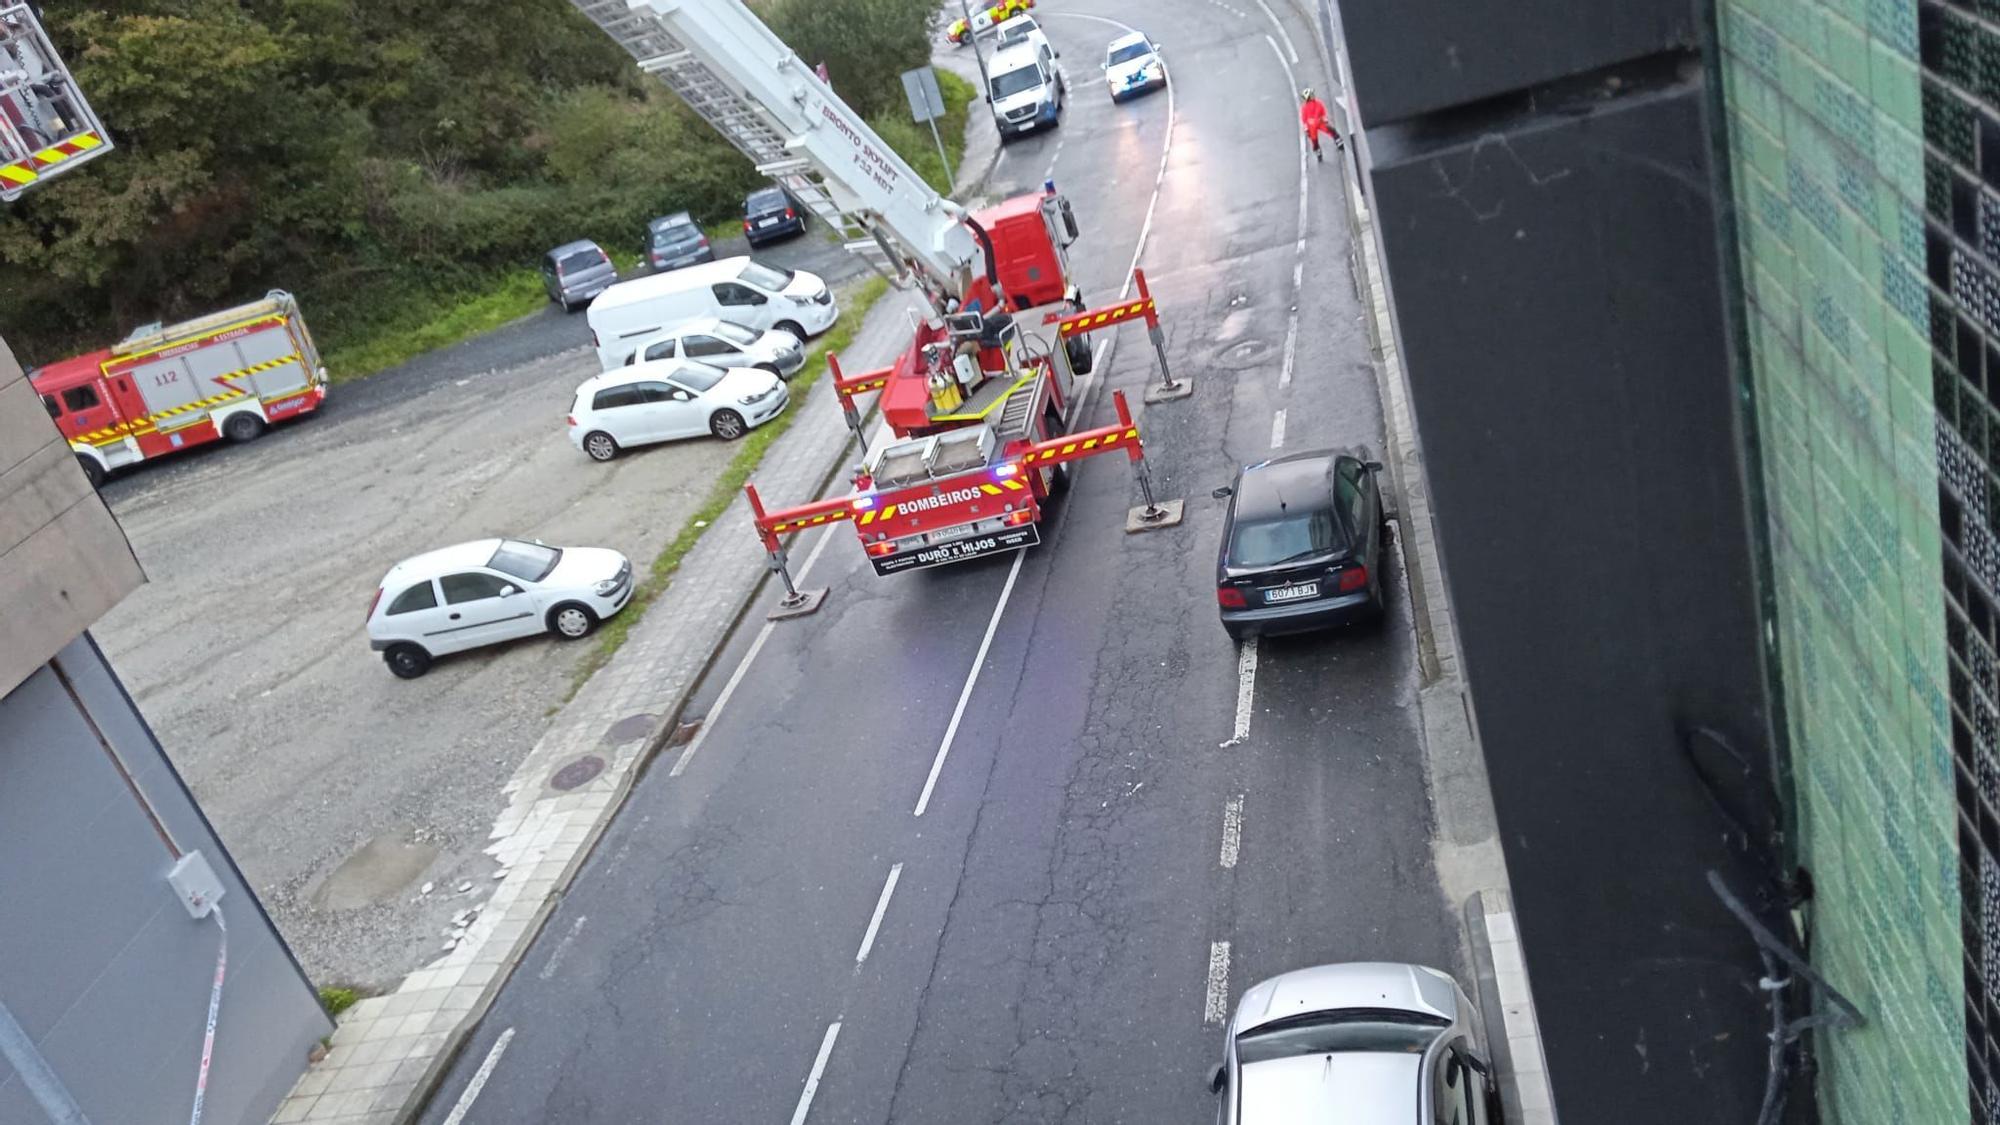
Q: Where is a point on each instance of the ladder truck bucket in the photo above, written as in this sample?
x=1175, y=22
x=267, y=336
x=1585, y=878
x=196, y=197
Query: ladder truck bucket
x=1090, y=320
x=47, y=129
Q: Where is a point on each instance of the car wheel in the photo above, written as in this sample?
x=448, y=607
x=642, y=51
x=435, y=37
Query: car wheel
x=92, y=471
x=243, y=426
x=600, y=445
x=572, y=621
x=793, y=327
x=727, y=425
x=407, y=661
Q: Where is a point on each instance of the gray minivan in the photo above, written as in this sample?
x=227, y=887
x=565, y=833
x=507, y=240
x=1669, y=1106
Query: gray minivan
x=576, y=272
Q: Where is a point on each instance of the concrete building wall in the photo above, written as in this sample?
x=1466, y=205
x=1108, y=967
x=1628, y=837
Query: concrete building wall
x=103, y=968
x=63, y=559
x=1868, y=233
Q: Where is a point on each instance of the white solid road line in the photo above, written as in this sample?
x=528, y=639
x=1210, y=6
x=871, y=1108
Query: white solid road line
x=1232, y=831
x=562, y=947
x=972, y=678
x=812, y=1080
x=1278, y=430
x=881, y=908
x=1246, y=691
x=742, y=668
x=1282, y=33
x=479, y=1078
x=1215, y=1003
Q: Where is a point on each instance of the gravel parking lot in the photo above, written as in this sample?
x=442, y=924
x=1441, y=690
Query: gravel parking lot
x=341, y=790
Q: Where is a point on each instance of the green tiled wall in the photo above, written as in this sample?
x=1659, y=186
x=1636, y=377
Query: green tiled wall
x=1827, y=123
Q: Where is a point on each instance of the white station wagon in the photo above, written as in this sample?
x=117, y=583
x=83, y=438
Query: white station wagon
x=665, y=399
x=491, y=590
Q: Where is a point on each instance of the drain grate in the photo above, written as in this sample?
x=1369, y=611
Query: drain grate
x=577, y=773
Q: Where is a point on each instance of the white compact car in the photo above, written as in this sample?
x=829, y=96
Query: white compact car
x=488, y=591
x=721, y=343
x=1132, y=65
x=1367, y=1041
x=671, y=398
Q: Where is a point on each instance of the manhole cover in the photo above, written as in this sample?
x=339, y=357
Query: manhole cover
x=629, y=729
x=577, y=772
x=1243, y=353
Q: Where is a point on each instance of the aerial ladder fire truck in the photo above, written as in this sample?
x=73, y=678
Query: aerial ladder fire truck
x=981, y=409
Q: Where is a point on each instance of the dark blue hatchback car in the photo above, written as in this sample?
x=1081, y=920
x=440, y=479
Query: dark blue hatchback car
x=1301, y=545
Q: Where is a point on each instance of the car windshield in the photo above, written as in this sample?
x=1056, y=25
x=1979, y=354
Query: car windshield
x=765, y=201
x=1285, y=538
x=530, y=562
x=1129, y=52
x=737, y=334
x=580, y=260
x=698, y=376
x=1015, y=81
x=674, y=233
x=764, y=277
x=1376, y=1031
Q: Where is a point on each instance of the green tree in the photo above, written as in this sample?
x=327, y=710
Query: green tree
x=865, y=44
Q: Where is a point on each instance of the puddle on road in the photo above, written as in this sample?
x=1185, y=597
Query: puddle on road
x=376, y=872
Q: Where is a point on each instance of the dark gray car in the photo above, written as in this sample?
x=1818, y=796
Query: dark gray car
x=576, y=272
x=675, y=240
x=1301, y=545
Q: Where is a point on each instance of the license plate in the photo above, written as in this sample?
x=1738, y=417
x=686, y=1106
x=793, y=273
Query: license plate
x=959, y=551
x=767, y=222
x=947, y=534
x=1292, y=593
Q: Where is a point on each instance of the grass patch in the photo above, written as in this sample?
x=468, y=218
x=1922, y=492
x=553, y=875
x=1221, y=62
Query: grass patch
x=440, y=322
x=749, y=453
x=337, y=1000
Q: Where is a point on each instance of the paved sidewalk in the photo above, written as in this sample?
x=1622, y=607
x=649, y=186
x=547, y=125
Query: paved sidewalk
x=389, y=1051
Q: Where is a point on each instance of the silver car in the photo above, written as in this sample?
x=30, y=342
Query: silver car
x=1372, y=1043
x=724, y=344
x=576, y=272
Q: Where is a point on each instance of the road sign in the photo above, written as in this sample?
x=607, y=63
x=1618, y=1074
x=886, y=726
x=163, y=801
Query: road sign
x=46, y=127
x=927, y=105
x=926, y=100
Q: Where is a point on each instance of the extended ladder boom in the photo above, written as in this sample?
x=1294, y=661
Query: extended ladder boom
x=744, y=81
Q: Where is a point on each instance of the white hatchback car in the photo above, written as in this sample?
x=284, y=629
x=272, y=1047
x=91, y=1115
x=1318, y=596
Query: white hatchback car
x=1378, y=1042
x=721, y=343
x=1132, y=66
x=667, y=399
x=491, y=590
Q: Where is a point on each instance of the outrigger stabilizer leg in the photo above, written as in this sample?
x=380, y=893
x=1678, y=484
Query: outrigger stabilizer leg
x=1153, y=514
x=796, y=602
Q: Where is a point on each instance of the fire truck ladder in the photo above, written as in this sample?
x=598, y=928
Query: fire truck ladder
x=641, y=32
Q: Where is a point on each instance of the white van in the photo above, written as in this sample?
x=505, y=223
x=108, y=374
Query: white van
x=1027, y=89
x=734, y=289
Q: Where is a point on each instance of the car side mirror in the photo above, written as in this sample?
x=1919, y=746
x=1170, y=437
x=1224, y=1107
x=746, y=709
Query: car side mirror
x=508, y=591
x=1372, y=466
x=1217, y=1079
x=1223, y=493
x=683, y=396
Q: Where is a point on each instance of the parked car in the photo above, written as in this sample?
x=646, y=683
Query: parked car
x=667, y=399
x=723, y=344
x=675, y=240
x=737, y=289
x=1382, y=1043
x=770, y=214
x=1132, y=66
x=1301, y=545
x=576, y=272
x=488, y=591
x=1026, y=91
x=1018, y=30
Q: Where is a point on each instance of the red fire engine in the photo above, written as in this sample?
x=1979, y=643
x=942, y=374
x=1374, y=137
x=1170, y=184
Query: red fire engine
x=166, y=388
x=981, y=407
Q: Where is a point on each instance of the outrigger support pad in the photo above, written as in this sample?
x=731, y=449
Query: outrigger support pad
x=796, y=602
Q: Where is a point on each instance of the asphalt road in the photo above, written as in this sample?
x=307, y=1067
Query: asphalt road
x=340, y=790
x=802, y=926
